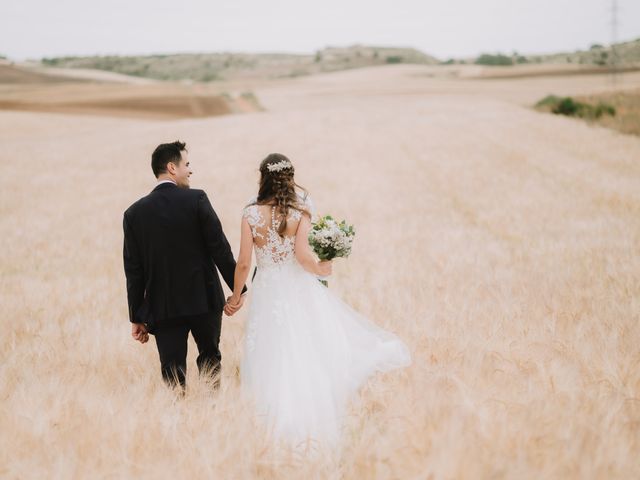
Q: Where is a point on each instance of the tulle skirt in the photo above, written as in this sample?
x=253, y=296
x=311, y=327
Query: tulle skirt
x=306, y=352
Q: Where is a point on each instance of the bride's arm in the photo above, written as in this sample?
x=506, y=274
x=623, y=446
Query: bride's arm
x=304, y=255
x=244, y=261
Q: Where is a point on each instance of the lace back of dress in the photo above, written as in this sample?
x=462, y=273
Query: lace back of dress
x=270, y=247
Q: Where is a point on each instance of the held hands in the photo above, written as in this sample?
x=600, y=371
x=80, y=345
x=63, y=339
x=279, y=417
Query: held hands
x=139, y=332
x=233, y=305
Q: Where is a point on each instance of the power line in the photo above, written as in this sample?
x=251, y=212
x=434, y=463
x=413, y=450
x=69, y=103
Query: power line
x=613, y=60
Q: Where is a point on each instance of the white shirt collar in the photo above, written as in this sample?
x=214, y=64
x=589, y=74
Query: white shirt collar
x=166, y=181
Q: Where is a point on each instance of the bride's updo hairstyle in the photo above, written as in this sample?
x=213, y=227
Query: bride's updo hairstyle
x=278, y=187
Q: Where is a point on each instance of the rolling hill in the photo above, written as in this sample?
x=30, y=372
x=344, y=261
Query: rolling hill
x=206, y=67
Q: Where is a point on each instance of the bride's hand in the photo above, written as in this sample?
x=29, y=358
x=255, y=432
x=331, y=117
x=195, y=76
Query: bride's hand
x=325, y=268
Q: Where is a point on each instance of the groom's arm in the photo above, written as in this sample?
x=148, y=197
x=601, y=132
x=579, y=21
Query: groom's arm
x=216, y=241
x=133, y=269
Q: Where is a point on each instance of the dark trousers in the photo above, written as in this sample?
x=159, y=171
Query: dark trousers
x=171, y=340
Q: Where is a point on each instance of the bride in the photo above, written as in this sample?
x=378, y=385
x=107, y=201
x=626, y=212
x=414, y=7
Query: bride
x=305, y=350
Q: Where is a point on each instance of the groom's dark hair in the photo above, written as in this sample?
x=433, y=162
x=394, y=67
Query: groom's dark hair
x=165, y=153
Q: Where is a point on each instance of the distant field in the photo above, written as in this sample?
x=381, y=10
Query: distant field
x=20, y=76
x=56, y=94
x=551, y=70
x=173, y=103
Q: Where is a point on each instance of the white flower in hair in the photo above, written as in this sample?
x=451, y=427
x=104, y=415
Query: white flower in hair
x=276, y=167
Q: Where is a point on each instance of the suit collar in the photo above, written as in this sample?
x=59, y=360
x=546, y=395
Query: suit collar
x=162, y=186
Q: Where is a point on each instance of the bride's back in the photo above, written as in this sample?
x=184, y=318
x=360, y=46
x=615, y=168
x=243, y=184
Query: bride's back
x=271, y=221
x=271, y=247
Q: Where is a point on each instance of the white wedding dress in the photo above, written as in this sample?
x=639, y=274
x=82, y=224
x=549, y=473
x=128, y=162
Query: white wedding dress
x=305, y=350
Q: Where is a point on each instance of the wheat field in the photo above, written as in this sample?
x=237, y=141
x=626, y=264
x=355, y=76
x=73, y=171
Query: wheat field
x=501, y=244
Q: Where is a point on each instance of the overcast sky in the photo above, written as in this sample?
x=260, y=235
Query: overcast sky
x=446, y=28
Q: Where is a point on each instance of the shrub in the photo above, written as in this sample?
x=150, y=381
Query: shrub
x=573, y=108
x=566, y=106
x=604, y=109
x=209, y=77
x=394, y=59
x=548, y=101
x=492, y=60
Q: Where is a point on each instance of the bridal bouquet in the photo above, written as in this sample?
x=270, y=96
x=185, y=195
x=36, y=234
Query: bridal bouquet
x=330, y=239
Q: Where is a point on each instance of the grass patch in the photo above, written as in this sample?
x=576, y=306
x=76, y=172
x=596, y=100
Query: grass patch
x=574, y=108
x=617, y=110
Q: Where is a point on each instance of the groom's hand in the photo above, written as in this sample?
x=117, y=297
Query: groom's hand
x=232, y=306
x=139, y=332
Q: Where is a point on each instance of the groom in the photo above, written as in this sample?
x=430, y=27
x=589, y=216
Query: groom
x=173, y=242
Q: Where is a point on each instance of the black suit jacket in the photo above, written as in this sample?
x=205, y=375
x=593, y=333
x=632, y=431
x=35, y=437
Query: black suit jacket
x=173, y=242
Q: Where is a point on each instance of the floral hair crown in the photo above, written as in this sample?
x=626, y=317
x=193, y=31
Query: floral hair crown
x=281, y=165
